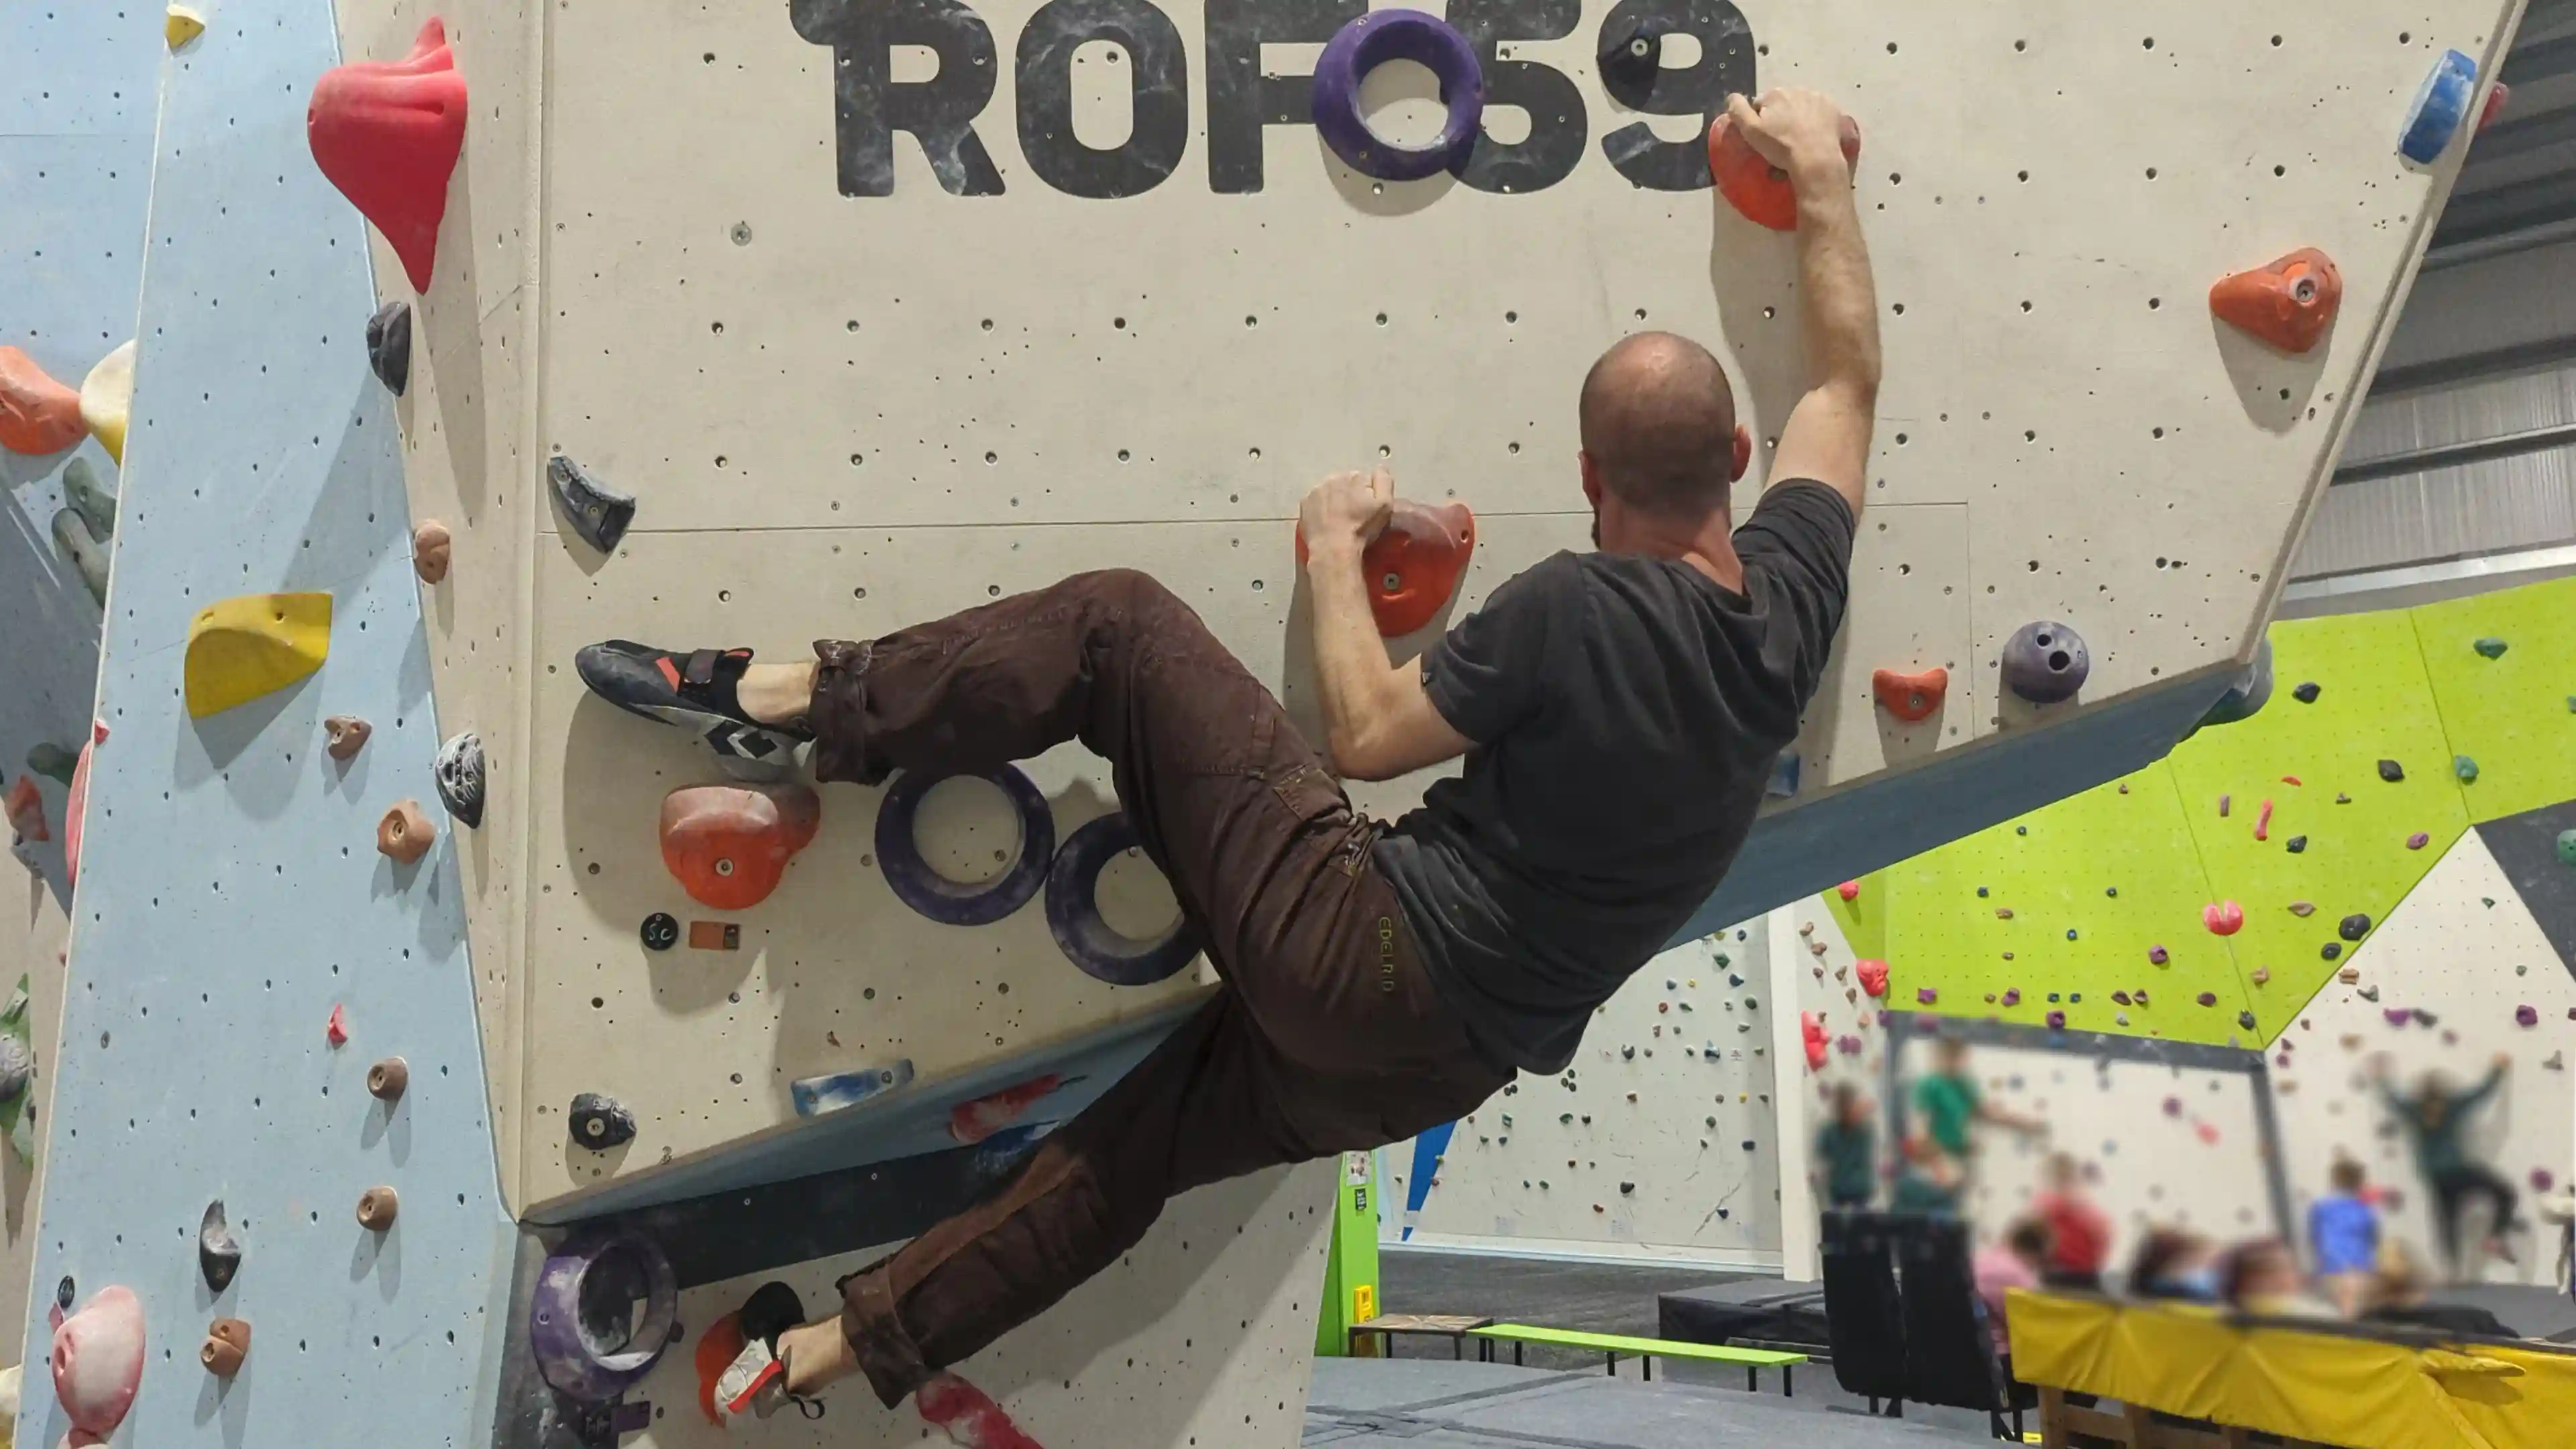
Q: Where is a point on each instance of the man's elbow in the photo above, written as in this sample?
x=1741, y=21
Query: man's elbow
x=1357, y=756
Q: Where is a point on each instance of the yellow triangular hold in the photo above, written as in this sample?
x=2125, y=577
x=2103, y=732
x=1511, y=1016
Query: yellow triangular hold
x=182, y=25
x=240, y=649
x=106, y=397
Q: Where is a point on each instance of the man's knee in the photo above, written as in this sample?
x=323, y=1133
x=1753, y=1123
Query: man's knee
x=1132, y=591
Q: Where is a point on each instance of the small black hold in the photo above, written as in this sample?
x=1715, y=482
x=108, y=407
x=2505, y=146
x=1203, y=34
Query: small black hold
x=389, y=346
x=661, y=931
x=2391, y=771
x=64, y=1293
x=2298, y=845
x=2332, y=950
x=2305, y=693
x=600, y=1123
x=219, y=1254
x=595, y=511
x=458, y=773
x=2354, y=927
x=1626, y=1188
x=2245, y=1019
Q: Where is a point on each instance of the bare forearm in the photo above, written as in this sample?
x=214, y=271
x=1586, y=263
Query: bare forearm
x=1351, y=663
x=1841, y=296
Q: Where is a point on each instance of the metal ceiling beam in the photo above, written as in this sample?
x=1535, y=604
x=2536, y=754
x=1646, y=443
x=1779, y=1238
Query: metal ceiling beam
x=2540, y=60
x=2520, y=136
x=2519, y=208
x=2458, y=455
x=2474, y=367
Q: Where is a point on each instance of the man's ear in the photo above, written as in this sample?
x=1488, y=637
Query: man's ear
x=1743, y=452
x=1591, y=479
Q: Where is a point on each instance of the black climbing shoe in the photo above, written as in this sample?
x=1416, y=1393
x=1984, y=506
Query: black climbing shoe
x=694, y=691
x=755, y=1383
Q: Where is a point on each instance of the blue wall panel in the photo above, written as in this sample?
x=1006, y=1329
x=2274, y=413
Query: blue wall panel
x=76, y=112
x=231, y=893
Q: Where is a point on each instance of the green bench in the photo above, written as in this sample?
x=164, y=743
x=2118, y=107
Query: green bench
x=1613, y=1346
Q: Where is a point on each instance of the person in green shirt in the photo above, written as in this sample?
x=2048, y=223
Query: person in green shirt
x=2436, y=1120
x=1949, y=1105
x=1847, y=1149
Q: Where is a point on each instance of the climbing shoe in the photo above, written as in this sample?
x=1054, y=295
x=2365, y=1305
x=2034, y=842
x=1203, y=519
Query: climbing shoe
x=754, y=1385
x=694, y=691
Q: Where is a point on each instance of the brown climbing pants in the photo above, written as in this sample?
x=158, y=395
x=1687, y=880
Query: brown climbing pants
x=1326, y=1036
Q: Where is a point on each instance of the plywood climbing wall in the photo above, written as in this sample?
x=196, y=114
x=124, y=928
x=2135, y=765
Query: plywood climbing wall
x=1657, y=1143
x=1110, y=313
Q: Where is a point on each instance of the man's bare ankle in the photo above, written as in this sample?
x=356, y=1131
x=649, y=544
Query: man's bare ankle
x=776, y=694
x=817, y=1355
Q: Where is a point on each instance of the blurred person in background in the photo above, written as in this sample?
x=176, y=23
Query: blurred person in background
x=2436, y=1120
x=1998, y=1268
x=2079, y=1233
x=1948, y=1105
x=2343, y=1233
x=2262, y=1277
x=2397, y=1297
x=2176, y=1263
x=1847, y=1151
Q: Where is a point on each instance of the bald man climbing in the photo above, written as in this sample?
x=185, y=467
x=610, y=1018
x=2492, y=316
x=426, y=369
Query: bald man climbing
x=1619, y=711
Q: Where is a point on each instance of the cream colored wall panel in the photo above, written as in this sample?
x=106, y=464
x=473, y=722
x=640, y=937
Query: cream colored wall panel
x=1658, y=1143
x=31, y=946
x=1203, y=1334
x=1907, y=562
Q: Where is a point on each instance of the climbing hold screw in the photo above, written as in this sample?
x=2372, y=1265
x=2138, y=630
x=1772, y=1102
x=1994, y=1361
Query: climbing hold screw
x=404, y=834
x=387, y=1079
x=431, y=548
x=344, y=735
x=661, y=931
x=377, y=1207
x=2353, y=927
x=2492, y=648
x=227, y=1344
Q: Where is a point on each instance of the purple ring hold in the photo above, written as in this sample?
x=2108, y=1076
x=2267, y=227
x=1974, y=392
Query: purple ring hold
x=591, y=1283
x=951, y=902
x=1073, y=913
x=1369, y=42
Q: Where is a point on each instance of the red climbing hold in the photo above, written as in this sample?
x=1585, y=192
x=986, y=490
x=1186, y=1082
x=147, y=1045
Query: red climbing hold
x=2289, y=304
x=1414, y=566
x=337, y=1028
x=972, y=1122
x=2499, y=96
x=727, y=845
x=967, y=1415
x=27, y=811
x=387, y=133
x=2223, y=918
x=37, y=414
x=1849, y=890
x=1811, y=1030
x=1873, y=976
x=1912, y=698
x=77, y=802
x=1755, y=187
x=2263, y=822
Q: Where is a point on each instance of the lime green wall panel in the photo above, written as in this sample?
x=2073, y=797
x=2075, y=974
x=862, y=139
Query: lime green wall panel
x=2373, y=703
x=2510, y=714
x=2116, y=866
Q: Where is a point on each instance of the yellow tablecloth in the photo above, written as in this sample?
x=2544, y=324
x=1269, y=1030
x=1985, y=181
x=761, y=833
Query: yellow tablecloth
x=2358, y=1392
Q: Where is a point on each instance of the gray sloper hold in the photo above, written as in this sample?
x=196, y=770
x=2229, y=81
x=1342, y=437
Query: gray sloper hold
x=600, y=1123
x=389, y=346
x=593, y=510
x=218, y=1253
x=87, y=554
x=89, y=498
x=2046, y=662
x=17, y=1068
x=460, y=779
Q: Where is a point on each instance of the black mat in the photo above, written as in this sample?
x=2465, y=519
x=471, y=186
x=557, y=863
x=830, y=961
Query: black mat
x=2526, y=846
x=1764, y=1310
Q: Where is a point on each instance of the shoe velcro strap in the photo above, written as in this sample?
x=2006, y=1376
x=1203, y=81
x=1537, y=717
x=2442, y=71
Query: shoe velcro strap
x=701, y=669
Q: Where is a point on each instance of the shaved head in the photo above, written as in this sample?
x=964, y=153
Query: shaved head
x=1659, y=425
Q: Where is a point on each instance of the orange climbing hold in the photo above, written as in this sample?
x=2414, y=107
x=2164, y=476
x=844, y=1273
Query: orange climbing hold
x=1414, y=566
x=388, y=133
x=27, y=811
x=1912, y=698
x=2288, y=304
x=1755, y=187
x=727, y=845
x=972, y=1122
x=37, y=414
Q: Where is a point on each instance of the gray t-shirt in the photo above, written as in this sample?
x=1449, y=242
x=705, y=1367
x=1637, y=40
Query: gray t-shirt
x=1626, y=713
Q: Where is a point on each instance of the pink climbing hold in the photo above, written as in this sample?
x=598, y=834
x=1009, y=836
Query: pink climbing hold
x=2418, y=840
x=968, y=1415
x=77, y=803
x=2057, y=1021
x=27, y=811
x=2223, y=918
x=337, y=1028
x=1849, y=890
x=2542, y=1180
x=1873, y=976
x=2012, y=996
x=1925, y=995
x=2263, y=822
x=2396, y=1015
x=2526, y=1016
x=2208, y=1133
x=972, y=1122
x=97, y=1360
x=388, y=133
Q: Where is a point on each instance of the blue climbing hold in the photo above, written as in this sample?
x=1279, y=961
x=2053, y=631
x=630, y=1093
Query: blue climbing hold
x=2441, y=105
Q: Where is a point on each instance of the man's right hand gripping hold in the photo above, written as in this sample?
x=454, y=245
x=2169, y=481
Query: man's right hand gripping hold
x=1619, y=710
